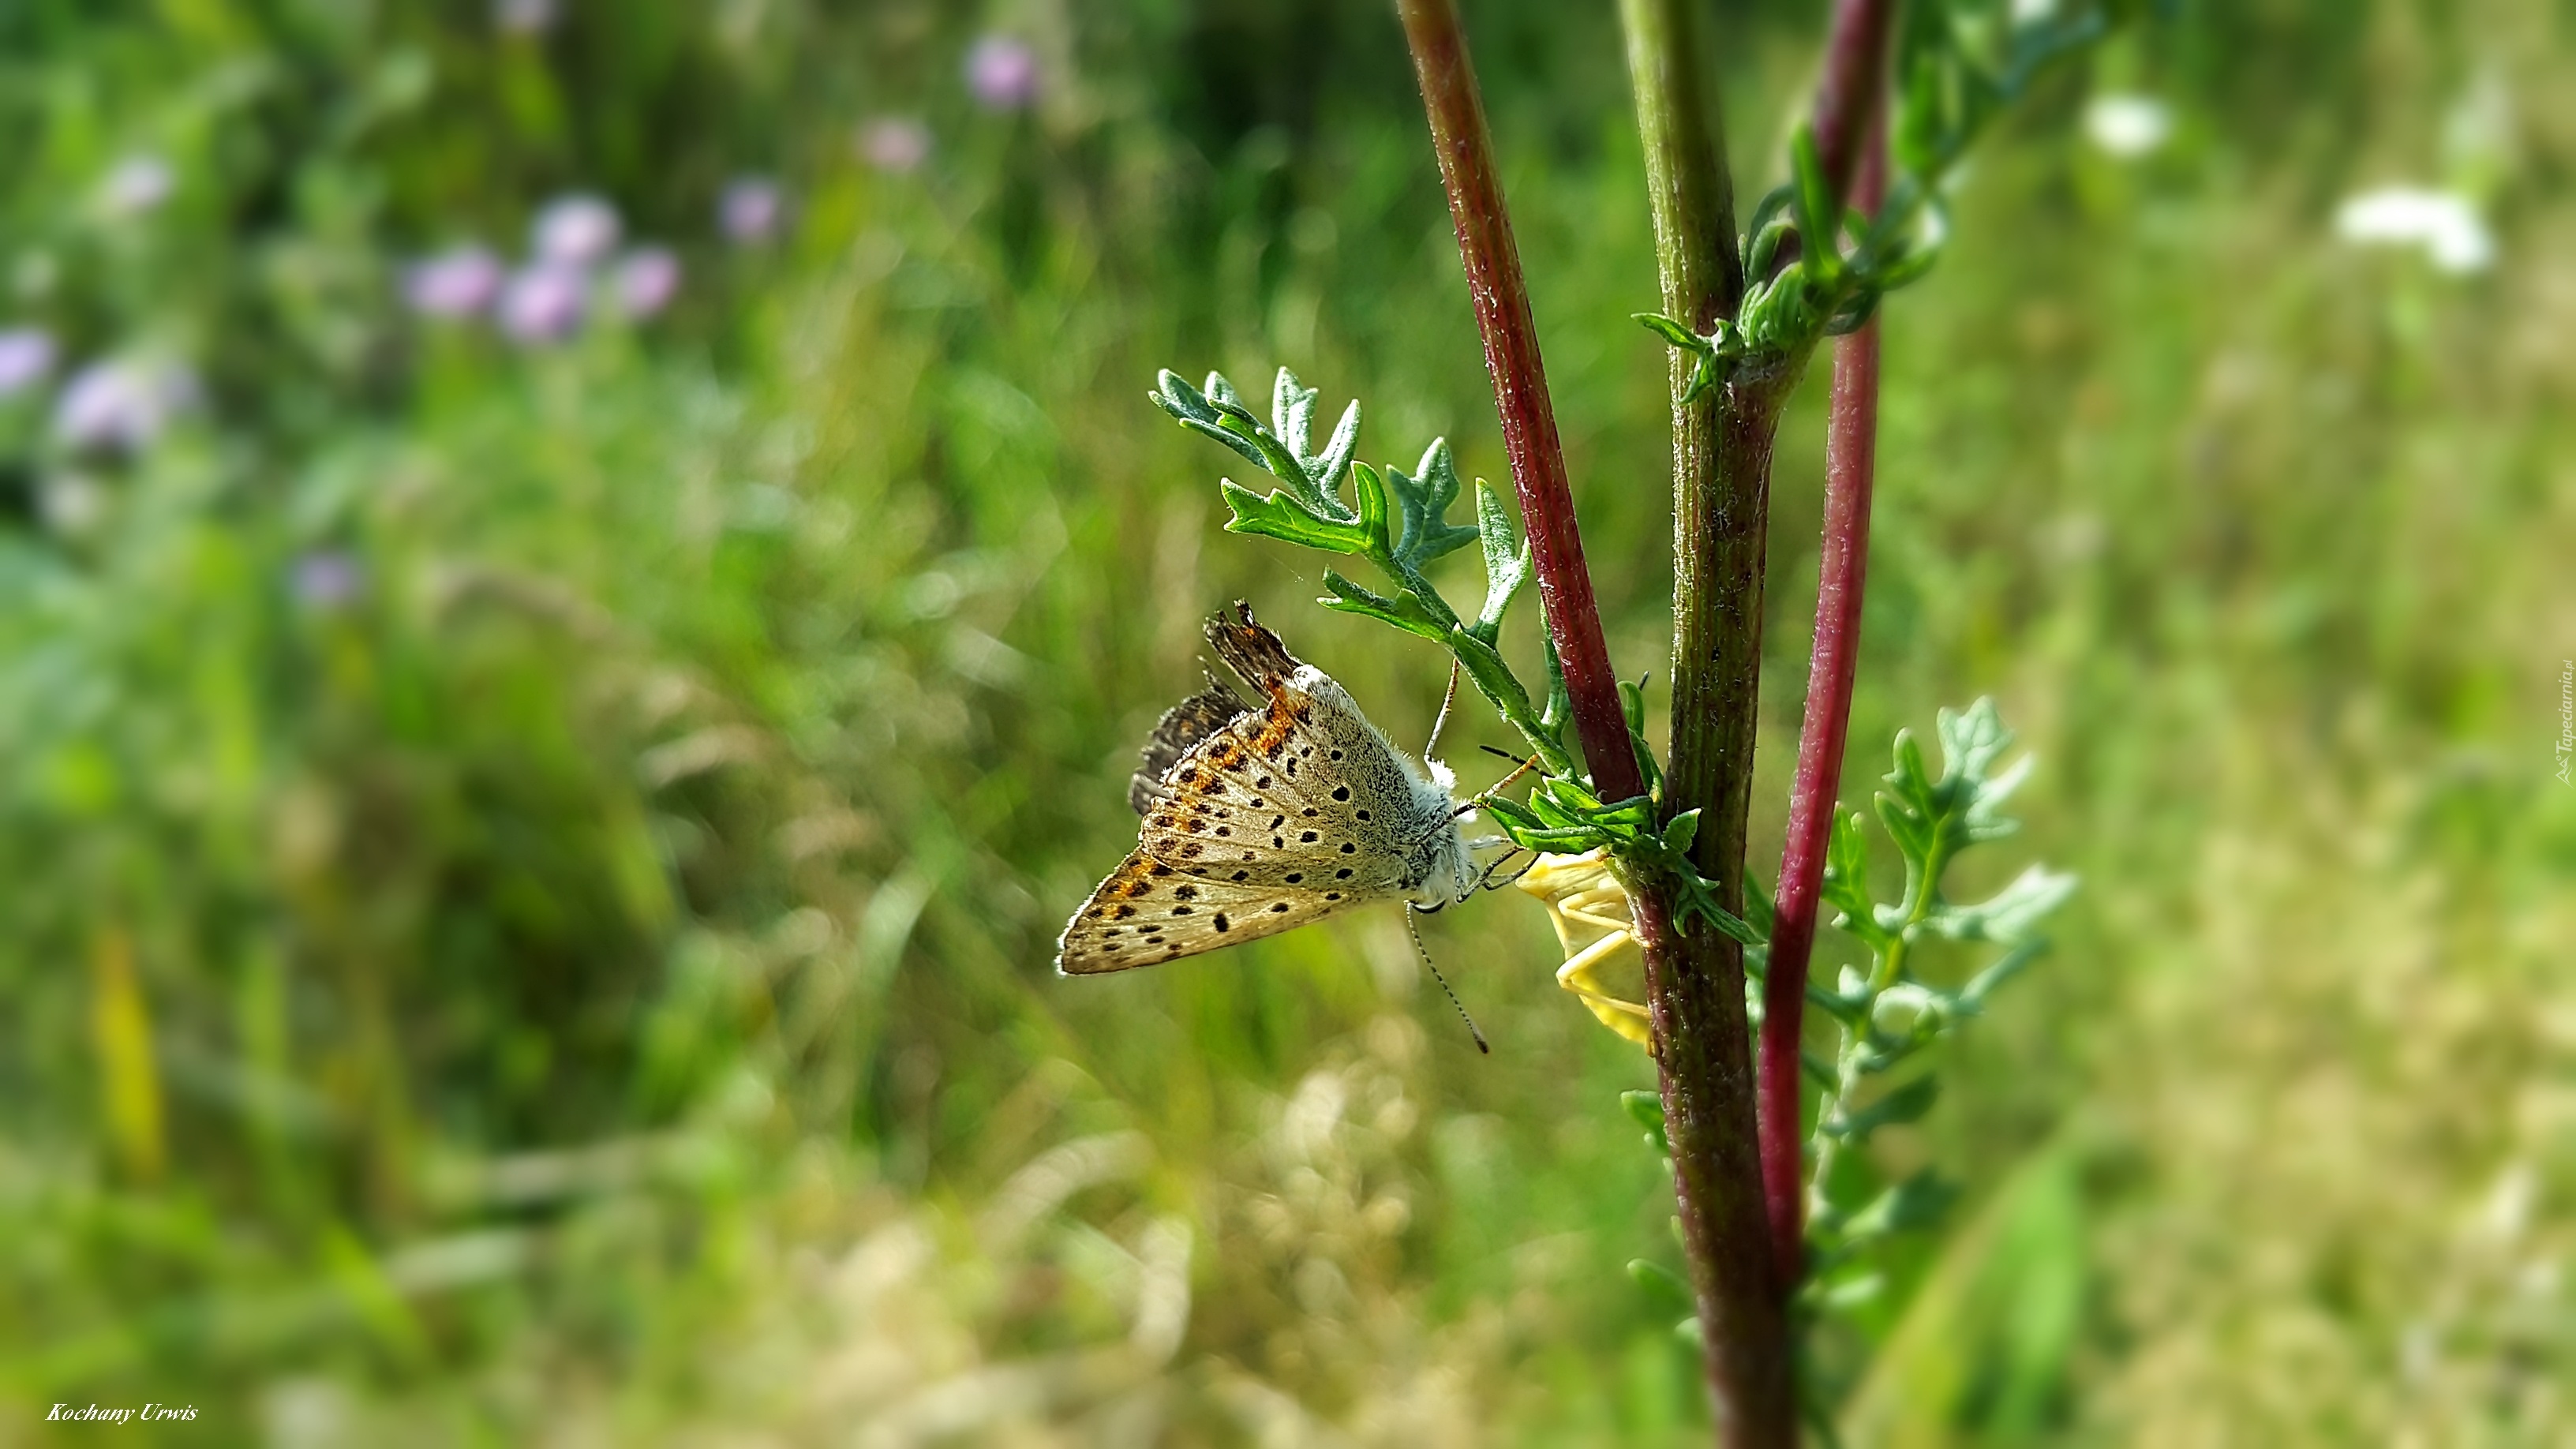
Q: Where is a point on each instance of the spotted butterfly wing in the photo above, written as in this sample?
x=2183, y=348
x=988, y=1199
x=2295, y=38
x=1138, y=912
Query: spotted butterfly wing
x=1280, y=815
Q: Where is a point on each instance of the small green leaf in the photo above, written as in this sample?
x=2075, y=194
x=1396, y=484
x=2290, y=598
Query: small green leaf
x=1507, y=562
x=1758, y=912
x=1817, y=209
x=1335, y=460
x=1369, y=488
x=1677, y=333
x=1292, y=413
x=1560, y=702
x=1647, y=1111
x=1846, y=884
x=1680, y=831
x=1659, y=1280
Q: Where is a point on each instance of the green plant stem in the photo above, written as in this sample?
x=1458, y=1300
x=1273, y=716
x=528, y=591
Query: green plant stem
x=1695, y=983
x=1465, y=148
x=1850, y=463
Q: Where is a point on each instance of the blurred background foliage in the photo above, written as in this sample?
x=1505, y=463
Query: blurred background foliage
x=532, y=851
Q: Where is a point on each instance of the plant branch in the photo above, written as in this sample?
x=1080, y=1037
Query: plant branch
x=1851, y=443
x=1848, y=92
x=1695, y=982
x=1465, y=148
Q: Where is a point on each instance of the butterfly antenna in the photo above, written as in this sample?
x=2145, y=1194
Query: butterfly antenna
x=1496, y=788
x=1440, y=721
x=1414, y=929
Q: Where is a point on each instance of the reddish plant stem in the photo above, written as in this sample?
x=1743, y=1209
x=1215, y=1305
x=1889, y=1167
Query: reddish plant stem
x=1848, y=90
x=1466, y=152
x=1851, y=448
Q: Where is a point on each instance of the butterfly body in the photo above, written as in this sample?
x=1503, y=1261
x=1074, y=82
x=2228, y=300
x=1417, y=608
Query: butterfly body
x=1263, y=816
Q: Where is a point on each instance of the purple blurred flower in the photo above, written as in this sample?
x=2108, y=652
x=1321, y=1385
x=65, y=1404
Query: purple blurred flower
x=646, y=280
x=576, y=231
x=136, y=185
x=748, y=210
x=525, y=17
x=458, y=282
x=894, y=143
x=325, y=579
x=125, y=403
x=1002, y=72
x=26, y=358
x=543, y=303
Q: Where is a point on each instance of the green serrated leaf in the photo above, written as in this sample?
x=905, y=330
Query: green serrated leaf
x=1282, y=517
x=1405, y=611
x=1424, y=501
x=2010, y=915
x=1917, y=1202
x=1907, y=1103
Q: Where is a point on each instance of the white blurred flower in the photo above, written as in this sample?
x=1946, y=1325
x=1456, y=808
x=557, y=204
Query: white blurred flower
x=124, y=403
x=749, y=209
x=575, y=231
x=1002, y=73
x=646, y=280
x=2128, y=125
x=2442, y=223
x=26, y=358
x=894, y=143
x=136, y=185
x=543, y=303
x=456, y=283
x=525, y=17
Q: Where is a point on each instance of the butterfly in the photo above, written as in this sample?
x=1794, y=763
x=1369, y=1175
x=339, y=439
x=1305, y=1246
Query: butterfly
x=1262, y=817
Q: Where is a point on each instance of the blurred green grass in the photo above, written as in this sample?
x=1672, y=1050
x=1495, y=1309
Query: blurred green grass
x=590, y=984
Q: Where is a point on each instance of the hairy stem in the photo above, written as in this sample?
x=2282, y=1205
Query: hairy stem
x=1695, y=983
x=1466, y=153
x=1851, y=447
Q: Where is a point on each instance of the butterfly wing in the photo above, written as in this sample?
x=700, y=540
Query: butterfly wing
x=1179, y=731
x=1149, y=912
